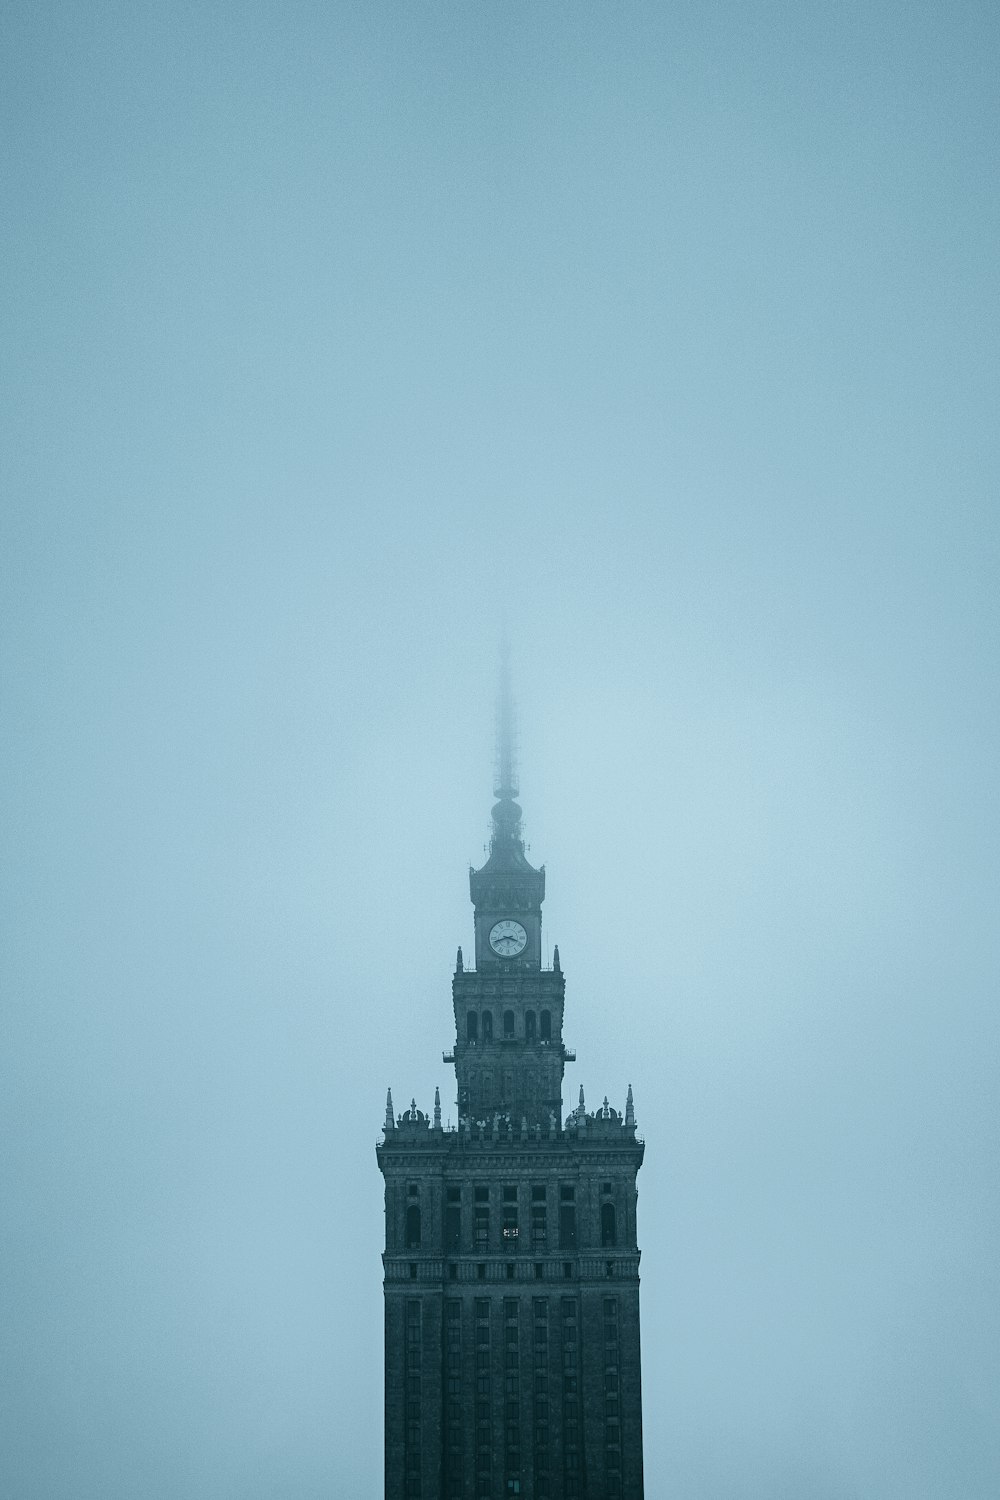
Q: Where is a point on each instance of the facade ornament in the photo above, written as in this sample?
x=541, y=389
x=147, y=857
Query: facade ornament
x=437, y=1108
x=629, y=1111
x=390, y=1123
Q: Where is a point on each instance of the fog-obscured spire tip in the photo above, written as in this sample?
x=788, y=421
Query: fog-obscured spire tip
x=506, y=813
x=506, y=782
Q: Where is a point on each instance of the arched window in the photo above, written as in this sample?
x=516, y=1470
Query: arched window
x=529, y=1025
x=609, y=1235
x=413, y=1227
x=472, y=1026
x=545, y=1020
x=487, y=1026
x=508, y=1023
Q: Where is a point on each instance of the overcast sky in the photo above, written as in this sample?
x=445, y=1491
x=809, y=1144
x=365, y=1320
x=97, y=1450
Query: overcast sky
x=330, y=334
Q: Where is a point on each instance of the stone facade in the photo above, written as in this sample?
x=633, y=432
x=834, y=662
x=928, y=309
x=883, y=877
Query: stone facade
x=511, y=1263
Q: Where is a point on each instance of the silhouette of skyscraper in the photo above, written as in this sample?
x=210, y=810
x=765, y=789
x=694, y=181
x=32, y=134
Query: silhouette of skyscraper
x=511, y=1265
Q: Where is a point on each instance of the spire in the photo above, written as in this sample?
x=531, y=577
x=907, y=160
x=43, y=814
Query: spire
x=459, y=966
x=506, y=813
x=437, y=1108
x=390, y=1123
x=506, y=786
x=629, y=1110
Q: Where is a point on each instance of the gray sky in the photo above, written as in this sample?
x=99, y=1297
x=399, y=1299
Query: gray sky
x=330, y=332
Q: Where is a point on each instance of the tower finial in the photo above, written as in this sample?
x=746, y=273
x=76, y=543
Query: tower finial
x=506, y=786
x=390, y=1123
x=437, y=1108
x=629, y=1110
x=506, y=814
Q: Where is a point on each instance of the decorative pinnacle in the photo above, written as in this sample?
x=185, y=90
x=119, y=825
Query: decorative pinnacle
x=506, y=786
x=390, y=1123
x=629, y=1109
x=459, y=966
x=437, y=1108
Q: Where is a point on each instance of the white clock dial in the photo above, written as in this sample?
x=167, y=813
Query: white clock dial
x=507, y=938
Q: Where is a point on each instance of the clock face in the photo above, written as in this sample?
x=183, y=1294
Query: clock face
x=507, y=938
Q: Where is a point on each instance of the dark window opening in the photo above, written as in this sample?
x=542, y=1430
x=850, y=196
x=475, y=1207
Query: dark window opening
x=539, y=1224
x=606, y=1188
x=481, y=1227
x=539, y=1270
x=538, y=1192
x=510, y=1270
x=568, y=1270
x=413, y=1271
x=510, y=1195
x=482, y=1195
x=508, y=1023
x=454, y=1195
x=452, y=1228
x=412, y=1190
x=413, y=1227
x=545, y=1025
x=472, y=1026
x=567, y=1192
x=609, y=1228
x=567, y=1227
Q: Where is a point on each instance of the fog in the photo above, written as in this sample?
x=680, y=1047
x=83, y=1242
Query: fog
x=333, y=337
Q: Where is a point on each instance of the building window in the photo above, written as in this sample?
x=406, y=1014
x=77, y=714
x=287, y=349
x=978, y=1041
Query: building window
x=529, y=1026
x=413, y=1227
x=608, y=1227
x=453, y=1352
x=472, y=1026
x=510, y=1229
x=508, y=1024
x=452, y=1228
x=481, y=1226
x=539, y=1226
x=545, y=1025
x=411, y=1433
x=567, y=1226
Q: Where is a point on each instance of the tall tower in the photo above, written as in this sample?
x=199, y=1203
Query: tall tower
x=511, y=1271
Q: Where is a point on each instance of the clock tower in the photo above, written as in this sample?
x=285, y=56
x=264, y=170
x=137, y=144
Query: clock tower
x=511, y=1268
